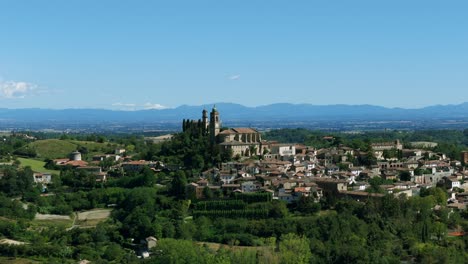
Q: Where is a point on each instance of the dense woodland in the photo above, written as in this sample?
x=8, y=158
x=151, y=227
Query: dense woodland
x=251, y=228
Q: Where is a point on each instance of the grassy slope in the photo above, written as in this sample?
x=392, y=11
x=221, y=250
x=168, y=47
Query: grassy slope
x=52, y=148
x=36, y=165
x=94, y=148
x=55, y=148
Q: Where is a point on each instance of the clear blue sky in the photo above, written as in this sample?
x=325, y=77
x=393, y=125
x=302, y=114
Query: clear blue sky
x=140, y=54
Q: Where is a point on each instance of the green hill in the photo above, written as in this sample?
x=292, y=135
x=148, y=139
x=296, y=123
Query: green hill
x=94, y=147
x=52, y=148
x=55, y=148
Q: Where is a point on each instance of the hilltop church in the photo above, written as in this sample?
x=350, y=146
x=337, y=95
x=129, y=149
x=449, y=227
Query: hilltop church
x=241, y=141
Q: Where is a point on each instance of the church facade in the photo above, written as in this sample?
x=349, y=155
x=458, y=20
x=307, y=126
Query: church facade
x=240, y=141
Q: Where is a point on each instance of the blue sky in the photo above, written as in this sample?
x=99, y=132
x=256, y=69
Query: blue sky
x=153, y=54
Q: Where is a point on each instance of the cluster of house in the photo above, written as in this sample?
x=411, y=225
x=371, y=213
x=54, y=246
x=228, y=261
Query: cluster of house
x=290, y=171
x=75, y=161
x=120, y=162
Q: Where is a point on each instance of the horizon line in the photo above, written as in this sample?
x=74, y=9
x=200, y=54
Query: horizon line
x=227, y=103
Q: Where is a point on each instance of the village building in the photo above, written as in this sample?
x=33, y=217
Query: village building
x=138, y=165
x=240, y=141
x=44, y=178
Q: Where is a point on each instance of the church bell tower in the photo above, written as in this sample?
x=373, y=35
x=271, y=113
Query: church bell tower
x=215, y=124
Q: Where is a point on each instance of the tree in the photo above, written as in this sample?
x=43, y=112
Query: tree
x=418, y=171
x=179, y=184
x=107, y=163
x=405, y=176
x=368, y=159
x=278, y=209
x=375, y=183
x=208, y=193
x=307, y=205
x=439, y=194
x=137, y=224
x=294, y=249
x=113, y=252
x=178, y=251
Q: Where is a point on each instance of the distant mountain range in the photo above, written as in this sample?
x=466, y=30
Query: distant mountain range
x=230, y=112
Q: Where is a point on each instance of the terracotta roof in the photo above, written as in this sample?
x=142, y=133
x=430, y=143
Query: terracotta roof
x=227, y=132
x=244, y=130
x=61, y=161
x=457, y=233
x=302, y=189
x=78, y=163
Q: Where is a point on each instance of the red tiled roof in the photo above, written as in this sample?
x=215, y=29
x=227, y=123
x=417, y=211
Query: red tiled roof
x=301, y=189
x=77, y=163
x=457, y=234
x=244, y=130
x=227, y=132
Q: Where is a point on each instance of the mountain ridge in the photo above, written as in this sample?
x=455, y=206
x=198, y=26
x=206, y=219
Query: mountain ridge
x=233, y=111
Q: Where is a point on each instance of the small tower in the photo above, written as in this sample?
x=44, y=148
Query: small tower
x=215, y=124
x=75, y=155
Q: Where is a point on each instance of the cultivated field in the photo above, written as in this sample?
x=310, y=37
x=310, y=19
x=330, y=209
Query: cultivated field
x=92, y=217
x=52, y=217
x=50, y=220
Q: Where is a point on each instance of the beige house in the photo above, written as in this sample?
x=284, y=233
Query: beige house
x=241, y=141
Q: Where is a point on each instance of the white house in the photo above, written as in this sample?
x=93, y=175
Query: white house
x=227, y=178
x=43, y=178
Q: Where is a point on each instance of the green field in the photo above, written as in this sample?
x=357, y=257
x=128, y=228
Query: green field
x=55, y=148
x=52, y=148
x=40, y=224
x=36, y=165
x=95, y=147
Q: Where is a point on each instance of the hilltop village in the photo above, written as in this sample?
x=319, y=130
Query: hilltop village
x=232, y=195
x=291, y=171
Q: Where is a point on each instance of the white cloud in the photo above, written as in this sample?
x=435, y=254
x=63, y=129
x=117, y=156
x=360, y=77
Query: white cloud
x=154, y=106
x=124, y=104
x=12, y=89
x=134, y=107
x=234, y=77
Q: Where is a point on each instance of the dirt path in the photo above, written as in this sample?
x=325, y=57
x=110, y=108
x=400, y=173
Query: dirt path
x=74, y=221
x=11, y=242
x=89, y=219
